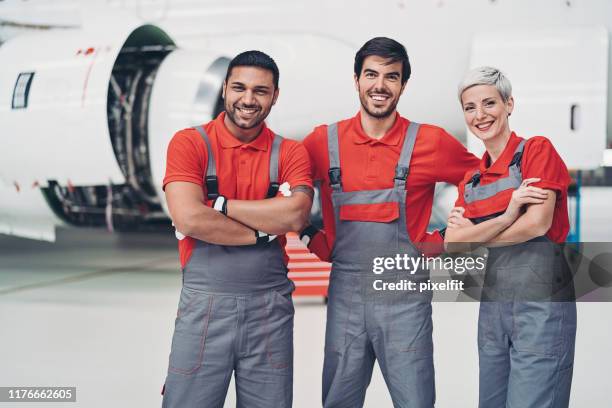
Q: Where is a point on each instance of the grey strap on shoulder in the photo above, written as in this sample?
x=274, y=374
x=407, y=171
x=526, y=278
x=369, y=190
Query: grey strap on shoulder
x=335, y=177
x=403, y=164
x=212, y=185
x=211, y=168
x=274, y=167
x=474, y=191
x=274, y=157
x=518, y=155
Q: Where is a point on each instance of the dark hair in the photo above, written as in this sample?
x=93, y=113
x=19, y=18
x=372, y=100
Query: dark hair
x=254, y=59
x=386, y=48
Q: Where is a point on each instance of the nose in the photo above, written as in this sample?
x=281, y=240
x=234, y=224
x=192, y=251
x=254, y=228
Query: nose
x=480, y=112
x=380, y=82
x=248, y=98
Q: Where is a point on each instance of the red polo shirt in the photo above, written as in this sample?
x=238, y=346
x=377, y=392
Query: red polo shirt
x=369, y=164
x=242, y=168
x=541, y=160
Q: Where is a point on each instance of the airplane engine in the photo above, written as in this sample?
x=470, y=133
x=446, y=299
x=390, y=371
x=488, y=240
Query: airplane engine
x=95, y=110
x=89, y=113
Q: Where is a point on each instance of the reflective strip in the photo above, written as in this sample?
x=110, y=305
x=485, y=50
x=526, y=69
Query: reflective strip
x=274, y=158
x=211, y=167
x=366, y=197
x=406, y=154
x=334, y=155
x=512, y=181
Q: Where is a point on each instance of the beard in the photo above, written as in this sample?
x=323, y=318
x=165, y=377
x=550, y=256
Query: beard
x=232, y=113
x=378, y=113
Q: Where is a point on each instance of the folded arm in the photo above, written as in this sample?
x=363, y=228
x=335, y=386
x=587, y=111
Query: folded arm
x=277, y=215
x=534, y=222
x=193, y=218
x=462, y=234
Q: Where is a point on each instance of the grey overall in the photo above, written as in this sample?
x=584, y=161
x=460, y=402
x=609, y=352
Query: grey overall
x=364, y=325
x=527, y=320
x=235, y=314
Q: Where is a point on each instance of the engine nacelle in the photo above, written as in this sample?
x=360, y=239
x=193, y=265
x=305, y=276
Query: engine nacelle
x=87, y=106
x=96, y=111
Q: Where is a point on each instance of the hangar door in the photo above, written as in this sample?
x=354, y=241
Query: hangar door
x=560, y=83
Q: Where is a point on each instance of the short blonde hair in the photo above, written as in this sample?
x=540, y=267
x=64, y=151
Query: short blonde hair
x=486, y=76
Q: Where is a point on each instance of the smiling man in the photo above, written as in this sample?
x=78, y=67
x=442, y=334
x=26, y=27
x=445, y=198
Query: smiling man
x=235, y=312
x=379, y=172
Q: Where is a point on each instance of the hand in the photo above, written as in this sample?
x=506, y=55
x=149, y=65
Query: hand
x=262, y=238
x=524, y=195
x=307, y=234
x=457, y=220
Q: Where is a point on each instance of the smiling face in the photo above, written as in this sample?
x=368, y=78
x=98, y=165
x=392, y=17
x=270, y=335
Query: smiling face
x=249, y=94
x=486, y=114
x=380, y=86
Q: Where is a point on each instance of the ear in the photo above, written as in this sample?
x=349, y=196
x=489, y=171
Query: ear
x=223, y=89
x=356, y=78
x=275, y=97
x=510, y=105
x=403, y=87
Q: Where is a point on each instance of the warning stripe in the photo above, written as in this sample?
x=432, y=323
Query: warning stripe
x=308, y=272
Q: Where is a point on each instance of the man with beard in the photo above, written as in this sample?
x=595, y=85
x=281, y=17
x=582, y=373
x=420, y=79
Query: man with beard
x=378, y=173
x=235, y=312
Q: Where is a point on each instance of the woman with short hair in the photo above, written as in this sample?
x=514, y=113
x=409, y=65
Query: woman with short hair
x=515, y=204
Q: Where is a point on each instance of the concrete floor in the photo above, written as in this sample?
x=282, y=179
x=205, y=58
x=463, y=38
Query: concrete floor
x=96, y=311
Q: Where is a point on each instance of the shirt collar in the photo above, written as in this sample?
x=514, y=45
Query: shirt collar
x=228, y=141
x=391, y=138
x=503, y=161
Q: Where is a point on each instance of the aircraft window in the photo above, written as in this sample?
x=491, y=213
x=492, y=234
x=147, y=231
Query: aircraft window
x=22, y=90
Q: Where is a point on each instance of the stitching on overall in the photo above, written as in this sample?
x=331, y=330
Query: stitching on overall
x=202, y=344
x=187, y=307
x=268, y=312
x=411, y=349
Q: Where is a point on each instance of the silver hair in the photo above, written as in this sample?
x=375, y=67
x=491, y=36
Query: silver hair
x=486, y=76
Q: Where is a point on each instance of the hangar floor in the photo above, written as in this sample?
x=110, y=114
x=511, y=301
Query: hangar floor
x=96, y=311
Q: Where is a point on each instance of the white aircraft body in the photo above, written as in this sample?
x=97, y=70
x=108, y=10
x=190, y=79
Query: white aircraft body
x=91, y=92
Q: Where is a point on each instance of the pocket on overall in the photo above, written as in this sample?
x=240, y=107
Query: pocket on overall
x=372, y=231
x=538, y=327
x=539, y=283
x=408, y=326
x=191, y=326
x=279, y=331
x=238, y=264
x=370, y=212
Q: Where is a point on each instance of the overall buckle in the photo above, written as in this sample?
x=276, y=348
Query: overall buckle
x=335, y=176
x=212, y=187
x=401, y=173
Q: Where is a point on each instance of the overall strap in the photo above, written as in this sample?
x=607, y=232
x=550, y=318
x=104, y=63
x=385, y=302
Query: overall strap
x=335, y=176
x=518, y=155
x=212, y=184
x=274, y=167
x=475, y=192
x=403, y=164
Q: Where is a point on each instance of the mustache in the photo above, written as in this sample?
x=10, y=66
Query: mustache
x=380, y=92
x=243, y=106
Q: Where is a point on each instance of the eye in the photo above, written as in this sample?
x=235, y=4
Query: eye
x=370, y=75
x=468, y=108
x=261, y=92
x=237, y=88
x=490, y=103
